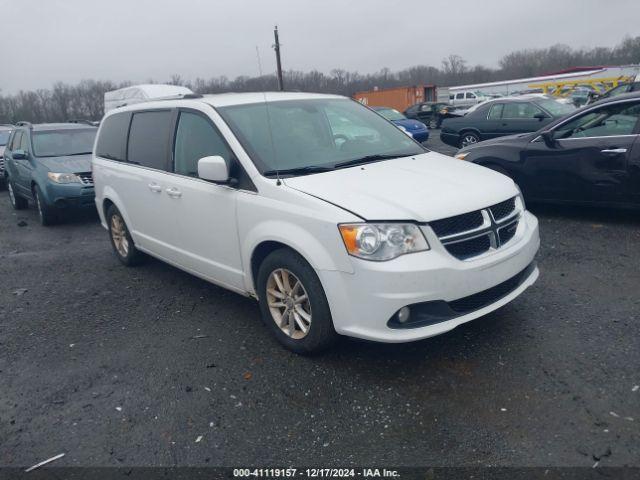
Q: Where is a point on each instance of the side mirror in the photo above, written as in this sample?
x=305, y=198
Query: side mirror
x=549, y=140
x=540, y=116
x=19, y=155
x=213, y=169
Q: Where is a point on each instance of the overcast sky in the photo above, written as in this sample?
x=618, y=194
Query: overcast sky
x=45, y=41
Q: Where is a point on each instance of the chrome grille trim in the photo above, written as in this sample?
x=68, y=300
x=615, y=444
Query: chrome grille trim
x=86, y=178
x=491, y=227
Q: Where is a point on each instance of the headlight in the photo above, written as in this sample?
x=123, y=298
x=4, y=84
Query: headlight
x=382, y=241
x=405, y=130
x=461, y=156
x=63, y=177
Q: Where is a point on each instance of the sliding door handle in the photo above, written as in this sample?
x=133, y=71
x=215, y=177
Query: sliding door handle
x=155, y=188
x=173, y=192
x=614, y=150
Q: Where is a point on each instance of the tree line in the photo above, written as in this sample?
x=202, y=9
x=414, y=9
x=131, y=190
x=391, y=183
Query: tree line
x=85, y=100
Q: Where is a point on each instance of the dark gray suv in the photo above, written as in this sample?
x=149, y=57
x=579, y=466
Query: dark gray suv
x=5, y=133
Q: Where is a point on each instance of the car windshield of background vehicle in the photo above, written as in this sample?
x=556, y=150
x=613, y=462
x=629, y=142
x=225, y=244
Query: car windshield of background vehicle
x=609, y=121
x=61, y=143
x=391, y=114
x=4, y=137
x=555, y=108
x=298, y=134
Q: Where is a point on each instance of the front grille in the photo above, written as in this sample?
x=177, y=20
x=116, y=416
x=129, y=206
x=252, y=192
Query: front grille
x=457, y=224
x=1, y=163
x=508, y=232
x=503, y=209
x=469, y=248
x=86, y=178
x=487, y=297
x=475, y=233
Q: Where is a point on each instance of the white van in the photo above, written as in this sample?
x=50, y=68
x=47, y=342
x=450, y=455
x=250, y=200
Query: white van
x=335, y=220
x=465, y=98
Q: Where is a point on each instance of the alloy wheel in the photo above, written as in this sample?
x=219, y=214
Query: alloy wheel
x=289, y=303
x=119, y=235
x=469, y=140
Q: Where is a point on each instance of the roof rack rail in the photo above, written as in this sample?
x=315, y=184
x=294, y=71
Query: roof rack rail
x=180, y=96
x=86, y=122
x=24, y=124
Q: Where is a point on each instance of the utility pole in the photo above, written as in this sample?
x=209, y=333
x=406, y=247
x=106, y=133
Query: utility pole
x=276, y=47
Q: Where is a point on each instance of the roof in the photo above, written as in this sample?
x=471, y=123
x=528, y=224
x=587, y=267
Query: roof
x=228, y=99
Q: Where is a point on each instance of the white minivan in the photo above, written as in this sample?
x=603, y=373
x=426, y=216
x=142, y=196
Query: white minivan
x=335, y=220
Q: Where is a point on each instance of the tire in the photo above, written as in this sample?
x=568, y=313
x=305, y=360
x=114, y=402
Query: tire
x=121, y=240
x=468, y=138
x=45, y=214
x=287, y=329
x=17, y=202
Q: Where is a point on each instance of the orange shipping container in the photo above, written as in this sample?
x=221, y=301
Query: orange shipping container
x=399, y=98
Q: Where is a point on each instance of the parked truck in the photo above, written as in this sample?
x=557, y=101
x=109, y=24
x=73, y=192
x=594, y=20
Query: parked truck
x=399, y=98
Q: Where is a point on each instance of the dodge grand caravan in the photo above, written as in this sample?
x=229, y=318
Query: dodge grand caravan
x=335, y=220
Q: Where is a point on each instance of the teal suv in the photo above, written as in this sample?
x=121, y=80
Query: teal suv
x=50, y=165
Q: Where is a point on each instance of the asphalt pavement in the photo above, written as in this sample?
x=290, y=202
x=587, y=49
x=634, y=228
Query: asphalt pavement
x=151, y=366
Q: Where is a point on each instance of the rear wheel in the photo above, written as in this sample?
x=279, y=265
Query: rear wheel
x=468, y=138
x=121, y=240
x=17, y=202
x=293, y=303
x=45, y=214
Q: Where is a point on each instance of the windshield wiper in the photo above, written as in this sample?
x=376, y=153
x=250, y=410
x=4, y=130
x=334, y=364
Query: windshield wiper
x=367, y=159
x=300, y=170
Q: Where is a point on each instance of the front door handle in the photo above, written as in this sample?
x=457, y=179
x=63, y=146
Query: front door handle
x=614, y=150
x=155, y=188
x=173, y=192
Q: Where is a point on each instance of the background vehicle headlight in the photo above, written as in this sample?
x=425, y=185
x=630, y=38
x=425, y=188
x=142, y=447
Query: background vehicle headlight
x=63, y=177
x=382, y=241
x=461, y=156
x=407, y=132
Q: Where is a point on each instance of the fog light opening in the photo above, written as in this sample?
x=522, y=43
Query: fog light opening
x=403, y=314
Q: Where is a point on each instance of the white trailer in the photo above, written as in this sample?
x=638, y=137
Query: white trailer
x=142, y=93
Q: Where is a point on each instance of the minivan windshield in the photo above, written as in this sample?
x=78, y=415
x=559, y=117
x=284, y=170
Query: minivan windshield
x=61, y=143
x=308, y=136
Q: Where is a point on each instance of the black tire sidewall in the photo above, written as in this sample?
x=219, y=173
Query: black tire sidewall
x=321, y=335
x=134, y=256
x=46, y=216
x=19, y=203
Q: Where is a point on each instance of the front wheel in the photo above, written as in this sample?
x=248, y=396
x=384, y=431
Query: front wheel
x=17, y=202
x=469, y=138
x=121, y=240
x=293, y=303
x=46, y=216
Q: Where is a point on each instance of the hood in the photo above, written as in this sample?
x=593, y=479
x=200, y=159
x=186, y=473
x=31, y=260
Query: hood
x=422, y=188
x=520, y=138
x=410, y=124
x=70, y=164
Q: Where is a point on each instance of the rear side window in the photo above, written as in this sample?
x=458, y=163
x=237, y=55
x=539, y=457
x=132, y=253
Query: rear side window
x=195, y=139
x=112, y=142
x=496, y=111
x=459, y=96
x=149, y=139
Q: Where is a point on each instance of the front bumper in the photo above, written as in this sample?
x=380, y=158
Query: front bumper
x=362, y=303
x=449, y=138
x=69, y=196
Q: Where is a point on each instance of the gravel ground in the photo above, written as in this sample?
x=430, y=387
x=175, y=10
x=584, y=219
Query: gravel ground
x=117, y=366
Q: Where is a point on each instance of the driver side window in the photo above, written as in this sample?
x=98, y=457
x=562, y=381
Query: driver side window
x=195, y=139
x=608, y=121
